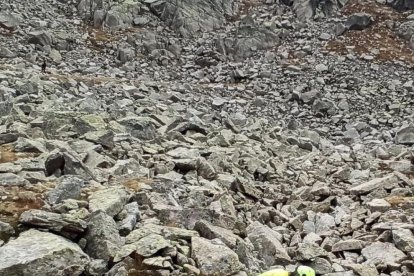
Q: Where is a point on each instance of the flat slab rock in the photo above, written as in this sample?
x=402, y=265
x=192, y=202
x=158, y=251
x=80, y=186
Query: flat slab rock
x=41, y=253
x=375, y=184
x=347, y=245
x=383, y=253
x=110, y=200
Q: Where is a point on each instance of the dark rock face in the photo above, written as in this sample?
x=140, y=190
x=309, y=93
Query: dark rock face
x=401, y=5
x=359, y=21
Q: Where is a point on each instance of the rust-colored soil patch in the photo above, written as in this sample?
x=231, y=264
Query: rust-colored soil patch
x=387, y=44
x=7, y=154
x=135, y=184
x=16, y=200
x=98, y=38
x=401, y=202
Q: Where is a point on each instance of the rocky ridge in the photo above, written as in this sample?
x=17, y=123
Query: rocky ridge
x=206, y=137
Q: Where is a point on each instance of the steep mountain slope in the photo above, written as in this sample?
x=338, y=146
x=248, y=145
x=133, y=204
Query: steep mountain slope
x=218, y=137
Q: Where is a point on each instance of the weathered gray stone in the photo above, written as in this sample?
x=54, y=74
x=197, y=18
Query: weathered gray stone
x=126, y=54
x=97, y=267
x=347, y=245
x=405, y=136
x=171, y=233
x=109, y=200
x=11, y=179
x=64, y=224
x=190, y=17
x=29, y=145
x=41, y=253
x=67, y=187
x=209, y=231
x=102, y=236
x=309, y=251
x=363, y=269
x=378, y=205
x=128, y=218
x=205, y=169
x=375, y=184
x=267, y=244
x=42, y=38
x=6, y=230
x=213, y=257
x=6, y=53
x=375, y=254
x=140, y=127
x=146, y=246
x=403, y=240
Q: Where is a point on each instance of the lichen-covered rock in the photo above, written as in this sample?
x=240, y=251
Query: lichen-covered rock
x=214, y=258
x=109, y=200
x=102, y=237
x=67, y=187
x=41, y=253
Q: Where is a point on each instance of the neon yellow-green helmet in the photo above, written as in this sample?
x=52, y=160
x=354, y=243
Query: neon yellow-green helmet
x=275, y=272
x=305, y=271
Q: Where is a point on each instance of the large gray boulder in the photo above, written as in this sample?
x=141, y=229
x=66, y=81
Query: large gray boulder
x=373, y=184
x=403, y=239
x=139, y=127
x=209, y=231
x=266, y=243
x=41, y=253
x=102, y=236
x=110, y=200
x=65, y=224
x=383, y=253
x=42, y=38
x=405, y=136
x=214, y=258
x=68, y=186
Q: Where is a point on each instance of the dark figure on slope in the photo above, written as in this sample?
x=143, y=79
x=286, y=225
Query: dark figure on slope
x=44, y=66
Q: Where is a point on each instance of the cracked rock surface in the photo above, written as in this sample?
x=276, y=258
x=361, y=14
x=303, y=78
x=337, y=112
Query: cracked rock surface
x=219, y=137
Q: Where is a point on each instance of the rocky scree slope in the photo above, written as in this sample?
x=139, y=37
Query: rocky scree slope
x=206, y=137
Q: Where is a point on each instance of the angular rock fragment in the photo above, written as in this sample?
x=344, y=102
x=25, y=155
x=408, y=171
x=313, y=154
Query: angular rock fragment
x=359, y=21
x=375, y=184
x=35, y=252
x=109, y=200
x=213, y=257
x=68, y=187
x=64, y=224
x=266, y=243
x=102, y=237
x=374, y=254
